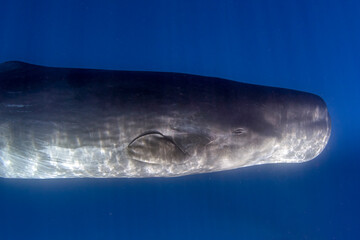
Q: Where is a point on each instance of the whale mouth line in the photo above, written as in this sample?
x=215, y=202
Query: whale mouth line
x=156, y=148
x=169, y=139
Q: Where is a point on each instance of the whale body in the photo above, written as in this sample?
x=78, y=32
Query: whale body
x=69, y=123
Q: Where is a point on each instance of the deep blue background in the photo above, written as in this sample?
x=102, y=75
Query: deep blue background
x=309, y=45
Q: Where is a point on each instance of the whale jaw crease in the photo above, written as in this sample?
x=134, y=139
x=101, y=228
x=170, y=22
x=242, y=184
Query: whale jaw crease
x=153, y=147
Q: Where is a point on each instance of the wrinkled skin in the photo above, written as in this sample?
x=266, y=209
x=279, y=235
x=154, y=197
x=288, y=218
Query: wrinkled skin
x=64, y=123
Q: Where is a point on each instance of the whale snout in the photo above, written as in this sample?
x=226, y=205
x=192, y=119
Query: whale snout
x=306, y=132
x=322, y=128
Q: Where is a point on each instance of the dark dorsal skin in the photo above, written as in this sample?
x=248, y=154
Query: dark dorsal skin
x=63, y=122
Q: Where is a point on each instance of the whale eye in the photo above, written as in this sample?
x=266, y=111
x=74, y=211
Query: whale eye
x=239, y=131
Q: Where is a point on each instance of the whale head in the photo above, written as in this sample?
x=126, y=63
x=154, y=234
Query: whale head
x=285, y=126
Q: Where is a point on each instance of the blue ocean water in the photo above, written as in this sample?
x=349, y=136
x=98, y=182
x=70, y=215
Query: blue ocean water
x=308, y=45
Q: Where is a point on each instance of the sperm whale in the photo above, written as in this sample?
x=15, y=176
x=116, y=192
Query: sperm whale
x=74, y=123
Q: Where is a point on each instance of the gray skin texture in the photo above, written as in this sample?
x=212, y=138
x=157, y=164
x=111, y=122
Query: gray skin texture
x=68, y=123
